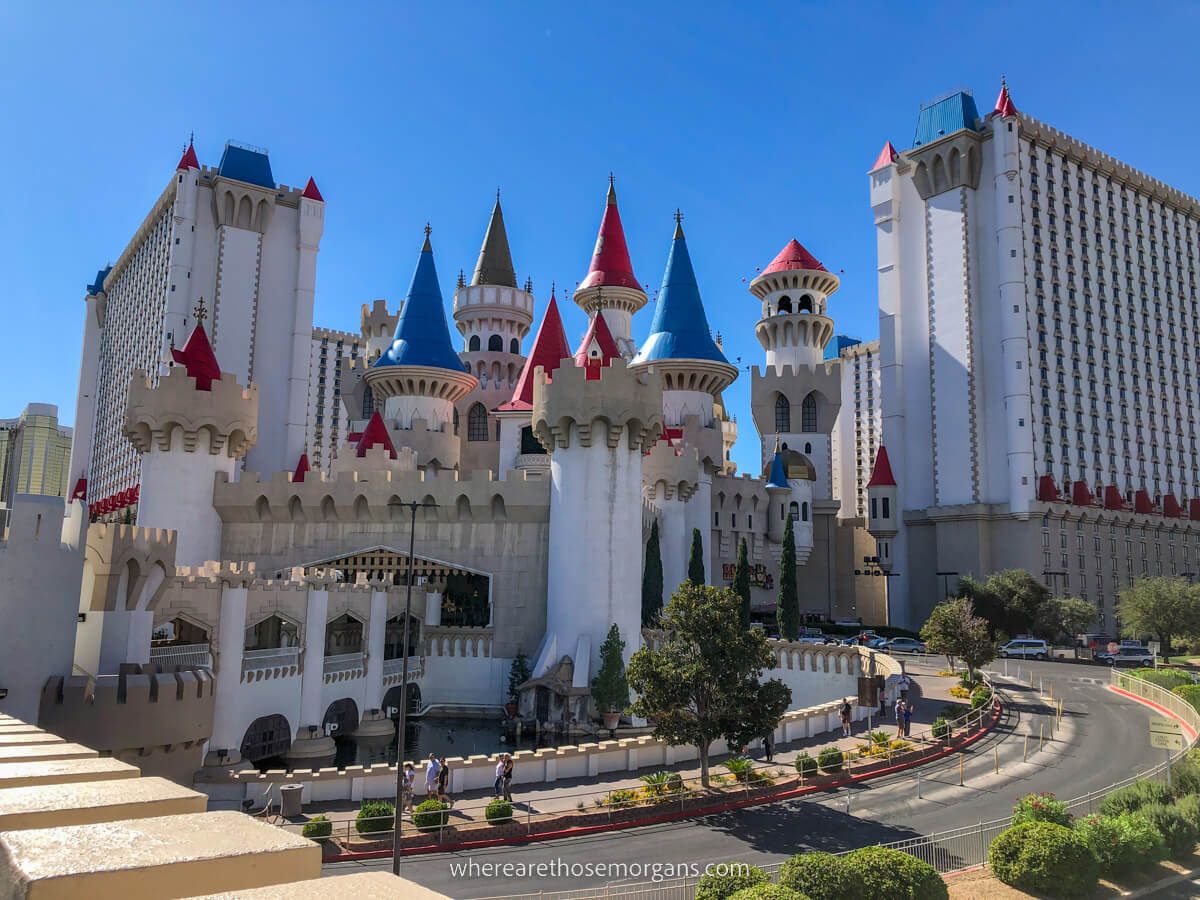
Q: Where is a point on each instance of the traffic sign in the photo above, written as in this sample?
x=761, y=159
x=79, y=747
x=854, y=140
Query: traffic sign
x=1166, y=734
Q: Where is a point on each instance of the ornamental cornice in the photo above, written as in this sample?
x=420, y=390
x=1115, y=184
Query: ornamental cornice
x=622, y=406
x=227, y=414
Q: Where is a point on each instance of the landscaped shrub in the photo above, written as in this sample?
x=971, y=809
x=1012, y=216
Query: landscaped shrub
x=1122, y=844
x=1044, y=858
x=655, y=783
x=375, y=816
x=740, y=768
x=728, y=879
x=317, y=828
x=821, y=876
x=1189, y=808
x=1165, y=678
x=498, y=811
x=1044, y=807
x=1190, y=693
x=806, y=766
x=1134, y=796
x=431, y=814
x=674, y=783
x=960, y=692
x=882, y=873
x=1185, y=774
x=621, y=798
x=768, y=891
x=941, y=728
x=981, y=696
x=1176, y=829
x=830, y=759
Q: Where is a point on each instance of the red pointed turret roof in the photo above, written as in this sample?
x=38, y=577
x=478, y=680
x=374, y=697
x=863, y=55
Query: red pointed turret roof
x=881, y=474
x=1048, y=490
x=1081, y=495
x=550, y=348
x=1170, y=507
x=887, y=156
x=1004, y=105
x=610, y=266
x=375, y=434
x=598, y=348
x=188, y=160
x=1142, y=502
x=198, y=359
x=311, y=192
x=302, y=469
x=1113, y=498
x=794, y=257
x=79, y=492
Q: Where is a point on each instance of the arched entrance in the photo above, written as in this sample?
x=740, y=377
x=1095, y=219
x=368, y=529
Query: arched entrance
x=391, y=700
x=267, y=737
x=344, y=715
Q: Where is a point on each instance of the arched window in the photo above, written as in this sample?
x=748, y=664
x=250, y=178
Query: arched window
x=530, y=444
x=473, y=343
x=807, y=448
x=368, y=408
x=514, y=347
x=808, y=413
x=496, y=343
x=783, y=414
x=477, y=424
x=785, y=305
x=806, y=304
x=794, y=511
x=803, y=512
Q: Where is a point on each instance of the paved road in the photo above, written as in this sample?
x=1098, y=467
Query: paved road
x=1102, y=740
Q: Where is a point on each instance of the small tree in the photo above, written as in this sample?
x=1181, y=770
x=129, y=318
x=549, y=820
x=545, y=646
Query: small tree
x=696, y=560
x=704, y=681
x=652, y=579
x=518, y=673
x=741, y=581
x=788, y=604
x=954, y=630
x=1163, y=607
x=610, y=690
x=1063, y=615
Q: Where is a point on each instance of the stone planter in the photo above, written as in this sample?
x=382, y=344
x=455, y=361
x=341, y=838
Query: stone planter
x=611, y=720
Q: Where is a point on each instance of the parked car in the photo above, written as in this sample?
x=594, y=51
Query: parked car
x=905, y=645
x=877, y=643
x=812, y=639
x=1025, y=648
x=1126, y=656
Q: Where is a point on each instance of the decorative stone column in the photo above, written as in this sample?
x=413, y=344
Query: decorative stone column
x=311, y=742
x=229, y=647
x=433, y=605
x=374, y=723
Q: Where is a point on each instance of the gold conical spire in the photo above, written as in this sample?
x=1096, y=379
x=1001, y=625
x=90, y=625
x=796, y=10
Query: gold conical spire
x=495, y=264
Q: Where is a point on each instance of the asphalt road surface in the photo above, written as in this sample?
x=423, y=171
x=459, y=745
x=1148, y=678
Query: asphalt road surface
x=1103, y=739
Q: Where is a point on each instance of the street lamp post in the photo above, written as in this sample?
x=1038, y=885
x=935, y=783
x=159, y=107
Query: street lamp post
x=945, y=576
x=403, y=720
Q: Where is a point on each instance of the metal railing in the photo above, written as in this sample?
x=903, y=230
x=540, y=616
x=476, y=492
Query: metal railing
x=270, y=658
x=343, y=662
x=416, y=665
x=170, y=656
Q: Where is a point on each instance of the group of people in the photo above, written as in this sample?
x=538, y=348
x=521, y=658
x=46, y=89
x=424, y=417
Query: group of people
x=437, y=781
x=504, y=776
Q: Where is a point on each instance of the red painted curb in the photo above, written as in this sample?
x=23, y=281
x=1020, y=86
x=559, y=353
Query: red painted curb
x=1162, y=709
x=726, y=806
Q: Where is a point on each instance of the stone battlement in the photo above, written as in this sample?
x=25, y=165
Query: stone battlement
x=673, y=471
x=626, y=403
x=123, y=558
x=31, y=518
x=228, y=413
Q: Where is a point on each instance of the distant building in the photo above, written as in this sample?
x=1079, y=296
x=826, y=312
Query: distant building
x=34, y=452
x=856, y=437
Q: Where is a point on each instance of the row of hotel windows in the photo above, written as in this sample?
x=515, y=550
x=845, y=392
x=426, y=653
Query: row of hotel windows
x=797, y=510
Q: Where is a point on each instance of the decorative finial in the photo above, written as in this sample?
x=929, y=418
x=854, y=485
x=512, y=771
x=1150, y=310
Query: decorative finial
x=611, y=180
x=720, y=343
x=497, y=194
x=678, y=216
x=428, y=229
x=529, y=285
x=200, y=312
x=678, y=224
x=553, y=285
x=461, y=278
x=1003, y=82
x=191, y=137
x=599, y=298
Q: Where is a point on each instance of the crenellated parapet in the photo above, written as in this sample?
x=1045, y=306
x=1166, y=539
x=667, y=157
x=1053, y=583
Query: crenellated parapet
x=131, y=567
x=221, y=420
x=794, y=383
x=619, y=404
x=670, y=472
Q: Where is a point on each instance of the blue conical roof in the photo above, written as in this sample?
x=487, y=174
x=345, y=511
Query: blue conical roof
x=778, y=476
x=680, y=328
x=422, y=336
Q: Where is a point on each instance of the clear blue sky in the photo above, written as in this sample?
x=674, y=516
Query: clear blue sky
x=759, y=121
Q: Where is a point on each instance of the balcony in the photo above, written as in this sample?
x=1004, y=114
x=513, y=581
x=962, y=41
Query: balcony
x=270, y=658
x=186, y=656
x=392, y=669
x=343, y=662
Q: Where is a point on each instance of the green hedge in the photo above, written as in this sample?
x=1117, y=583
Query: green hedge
x=431, y=814
x=941, y=728
x=1190, y=693
x=713, y=886
x=1173, y=825
x=317, y=827
x=374, y=816
x=881, y=873
x=821, y=876
x=498, y=811
x=1133, y=797
x=1122, y=844
x=805, y=764
x=981, y=696
x=1165, y=678
x=768, y=892
x=1044, y=807
x=1044, y=858
x=1189, y=808
x=831, y=759
x=1185, y=774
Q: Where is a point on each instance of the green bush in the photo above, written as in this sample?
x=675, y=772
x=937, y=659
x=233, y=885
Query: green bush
x=498, y=811
x=1185, y=774
x=621, y=798
x=768, y=892
x=1044, y=858
x=941, y=728
x=1044, y=807
x=674, y=783
x=830, y=759
x=1190, y=693
x=1122, y=844
x=882, y=873
x=374, y=816
x=1134, y=796
x=431, y=814
x=317, y=827
x=981, y=696
x=1164, y=678
x=1189, y=808
x=805, y=764
x=724, y=884
x=1176, y=829
x=821, y=876
x=740, y=768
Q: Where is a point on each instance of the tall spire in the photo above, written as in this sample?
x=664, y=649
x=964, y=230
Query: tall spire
x=610, y=265
x=422, y=337
x=598, y=348
x=881, y=473
x=495, y=265
x=887, y=156
x=189, y=160
x=197, y=356
x=550, y=348
x=680, y=328
x=311, y=191
x=1004, y=105
x=375, y=435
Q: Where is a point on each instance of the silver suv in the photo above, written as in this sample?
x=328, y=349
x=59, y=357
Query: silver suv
x=1025, y=648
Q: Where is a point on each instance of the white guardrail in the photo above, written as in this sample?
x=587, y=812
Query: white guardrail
x=947, y=851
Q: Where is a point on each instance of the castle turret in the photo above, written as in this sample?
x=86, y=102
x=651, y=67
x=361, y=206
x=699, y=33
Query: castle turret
x=377, y=325
x=420, y=378
x=883, y=519
x=195, y=423
x=610, y=284
x=596, y=430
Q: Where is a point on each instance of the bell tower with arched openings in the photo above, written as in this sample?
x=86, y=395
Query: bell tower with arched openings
x=796, y=397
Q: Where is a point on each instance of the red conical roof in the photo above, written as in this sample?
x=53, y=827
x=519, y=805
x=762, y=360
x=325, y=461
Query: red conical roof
x=794, y=257
x=610, y=266
x=198, y=359
x=886, y=157
x=1047, y=489
x=881, y=474
x=1080, y=495
x=1113, y=498
x=375, y=434
x=1171, y=508
x=311, y=192
x=598, y=348
x=188, y=160
x=1004, y=105
x=302, y=469
x=550, y=347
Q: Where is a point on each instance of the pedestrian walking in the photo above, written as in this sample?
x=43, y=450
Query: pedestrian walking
x=769, y=746
x=905, y=684
x=432, y=768
x=908, y=714
x=508, y=776
x=847, y=715
x=901, y=705
x=443, y=782
x=498, y=785
x=407, y=783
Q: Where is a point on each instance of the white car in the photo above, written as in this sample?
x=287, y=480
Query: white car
x=1025, y=648
x=1127, y=656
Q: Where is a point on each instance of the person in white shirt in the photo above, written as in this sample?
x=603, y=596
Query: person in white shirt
x=499, y=774
x=431, y=777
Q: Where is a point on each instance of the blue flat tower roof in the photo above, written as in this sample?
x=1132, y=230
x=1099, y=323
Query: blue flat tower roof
x=243, y=164
x=945, y=116
x=839, y=343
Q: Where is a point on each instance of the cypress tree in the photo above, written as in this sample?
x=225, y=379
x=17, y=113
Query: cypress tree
x=741, y=582
x=788, y=605
x=652, y=579
x=696, y=561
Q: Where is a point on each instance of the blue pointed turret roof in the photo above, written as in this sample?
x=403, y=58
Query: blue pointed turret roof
x=422, y=336
x=778, y=477
x=680, y=328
